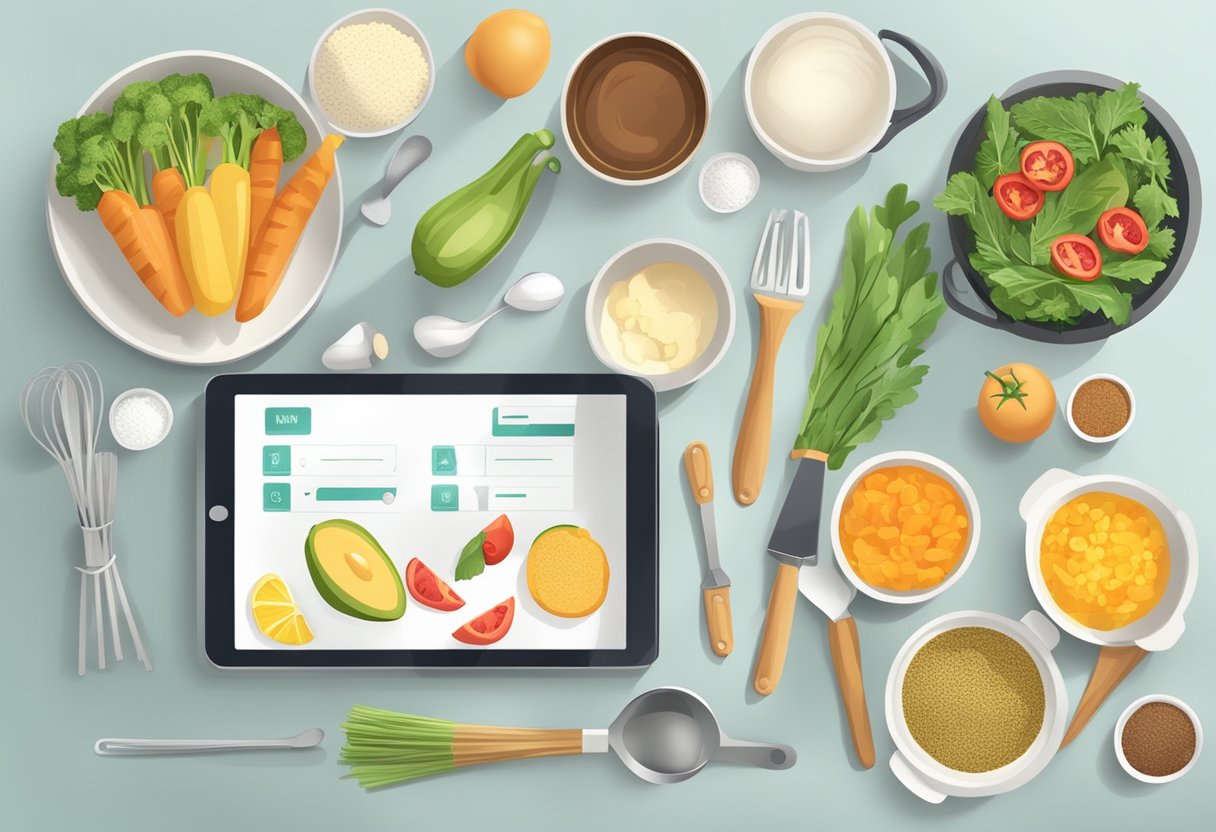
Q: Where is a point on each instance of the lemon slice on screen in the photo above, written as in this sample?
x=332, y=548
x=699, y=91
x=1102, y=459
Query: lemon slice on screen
x=276, y=613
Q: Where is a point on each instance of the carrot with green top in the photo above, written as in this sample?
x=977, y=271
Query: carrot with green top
x=143, y=238
x=168, y=188
x=283, y=228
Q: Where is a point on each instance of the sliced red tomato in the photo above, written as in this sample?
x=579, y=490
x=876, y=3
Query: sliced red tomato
x=488, y=627
x=500, y=537
x=428, y=589
x=1048, y=165
x=1075, y=255
x=1017, y=197
x=1123, y=230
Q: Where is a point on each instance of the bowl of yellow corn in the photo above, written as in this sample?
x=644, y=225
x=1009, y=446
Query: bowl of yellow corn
x=1111, y=560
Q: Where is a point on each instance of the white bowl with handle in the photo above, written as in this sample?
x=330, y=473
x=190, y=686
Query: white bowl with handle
x=932, y=781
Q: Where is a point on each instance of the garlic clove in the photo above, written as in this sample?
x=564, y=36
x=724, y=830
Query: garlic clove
x=356, y=349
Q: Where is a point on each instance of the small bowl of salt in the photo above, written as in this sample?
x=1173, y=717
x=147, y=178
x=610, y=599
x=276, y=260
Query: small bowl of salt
x=140, y=419
x=728, y=182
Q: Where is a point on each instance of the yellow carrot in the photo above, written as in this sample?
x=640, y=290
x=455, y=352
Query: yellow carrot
x=142, y=237
x=167, y=189
x=284, y=224
x=230, y=192
x=265, y=163
x=201, y=247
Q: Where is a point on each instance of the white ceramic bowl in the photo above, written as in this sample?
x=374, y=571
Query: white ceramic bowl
x=141, y=391
x=926, y=777
x=1131, y=415
x=631, y=260
x=574, y=67
x=1163, y=625
x=103, y=282
x=402, y=24
x=933, y=465
x=713, y=160
x=1122, y=723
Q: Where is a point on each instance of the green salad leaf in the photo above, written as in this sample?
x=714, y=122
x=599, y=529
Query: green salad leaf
x=885, y=308
x=1117, y=164
x=472, y=561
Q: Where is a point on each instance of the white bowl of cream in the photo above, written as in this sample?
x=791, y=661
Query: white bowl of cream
x=662, y=310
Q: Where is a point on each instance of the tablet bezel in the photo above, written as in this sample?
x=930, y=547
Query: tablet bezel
x=642, y=513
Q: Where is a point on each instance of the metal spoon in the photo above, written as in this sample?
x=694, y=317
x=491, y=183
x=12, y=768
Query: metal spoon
x=412, y=153
x=444, y=337
x=113, y=747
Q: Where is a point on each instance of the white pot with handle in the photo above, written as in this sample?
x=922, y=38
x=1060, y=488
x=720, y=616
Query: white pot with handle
x=1162, y=626
x=932, y=781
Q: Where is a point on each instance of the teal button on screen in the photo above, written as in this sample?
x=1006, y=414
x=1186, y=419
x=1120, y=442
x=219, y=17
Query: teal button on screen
x=443, y=460
x=288, y=421
x=276, y=460
x=445, y=498
x=276, y=496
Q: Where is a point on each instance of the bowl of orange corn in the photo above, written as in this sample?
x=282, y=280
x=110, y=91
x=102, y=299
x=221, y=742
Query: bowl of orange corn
x=1111, y=560
x=905, y=527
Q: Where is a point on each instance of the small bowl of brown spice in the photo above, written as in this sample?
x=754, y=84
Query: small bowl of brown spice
x=1158, y=738
x=1101, y=408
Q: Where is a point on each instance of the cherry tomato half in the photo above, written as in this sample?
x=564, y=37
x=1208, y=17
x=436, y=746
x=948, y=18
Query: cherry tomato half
x=429, y=589
x=1048, y=165
x=1075, y=255
x=1017, y=197
x=488, y=627
x=500, y=537
x=1123, y=230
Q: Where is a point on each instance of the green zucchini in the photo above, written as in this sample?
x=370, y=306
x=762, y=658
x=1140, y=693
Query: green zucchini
x=465, y=230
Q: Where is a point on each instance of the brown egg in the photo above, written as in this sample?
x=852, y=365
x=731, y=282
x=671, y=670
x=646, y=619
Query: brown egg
x=508, y=52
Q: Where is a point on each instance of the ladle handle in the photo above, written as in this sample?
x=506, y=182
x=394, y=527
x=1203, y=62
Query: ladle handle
x=478, y=744
x=762, y=754
x=1114, y=663
x=846, y=657
x=778, y=620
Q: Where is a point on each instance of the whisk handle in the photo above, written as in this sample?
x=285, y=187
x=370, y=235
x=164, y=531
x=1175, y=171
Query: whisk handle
x=477, y=744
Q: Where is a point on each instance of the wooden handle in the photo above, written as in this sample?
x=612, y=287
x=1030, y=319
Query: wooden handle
x=770, y=661
x=476, y=744
x=1113, y=664
x=755, y=431
x=700, y=472
x=846, y=657
x=717, y=620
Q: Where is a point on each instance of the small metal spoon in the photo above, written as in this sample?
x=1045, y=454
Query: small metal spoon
x=444, y=337
x=114, y=747
x=412, y=153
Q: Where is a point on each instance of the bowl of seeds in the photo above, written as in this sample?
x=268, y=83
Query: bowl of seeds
x=975, y=704
x=1101, y=408
x=1158, y=738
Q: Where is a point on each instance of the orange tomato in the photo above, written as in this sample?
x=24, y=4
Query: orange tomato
x=1017, y=402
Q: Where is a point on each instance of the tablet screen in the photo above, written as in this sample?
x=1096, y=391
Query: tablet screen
x=430, y=522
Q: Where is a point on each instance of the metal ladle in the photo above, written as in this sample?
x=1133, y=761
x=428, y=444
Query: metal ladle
x=444, y=337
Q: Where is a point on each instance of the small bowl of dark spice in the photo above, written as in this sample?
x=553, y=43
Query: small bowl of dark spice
x=1158, y=738
x=1101, y=408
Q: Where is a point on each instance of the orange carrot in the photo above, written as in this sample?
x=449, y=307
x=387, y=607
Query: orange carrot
x=265, y=163
x=167, y=190
x=144, y=240
x=282, y=229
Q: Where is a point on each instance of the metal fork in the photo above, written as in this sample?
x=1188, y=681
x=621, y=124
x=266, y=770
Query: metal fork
x=781, y=272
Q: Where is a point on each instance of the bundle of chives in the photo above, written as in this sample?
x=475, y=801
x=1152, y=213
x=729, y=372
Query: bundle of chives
x=386, y=747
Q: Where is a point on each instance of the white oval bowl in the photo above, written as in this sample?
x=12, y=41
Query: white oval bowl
x=710, y=162
x=933, y=465
x=1122, y=723
x=141, y=391
x=631, y=260
x=1131, y=413
x=404, y=25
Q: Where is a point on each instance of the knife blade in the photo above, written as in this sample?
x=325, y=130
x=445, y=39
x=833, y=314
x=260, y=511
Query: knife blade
x=794, y=541
x=715, y=589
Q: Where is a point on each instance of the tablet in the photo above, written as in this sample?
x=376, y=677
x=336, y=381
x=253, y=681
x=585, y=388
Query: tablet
x=430, y=521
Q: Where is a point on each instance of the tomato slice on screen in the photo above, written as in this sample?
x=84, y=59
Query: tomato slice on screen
x=1048, y=165
x=428, y=589
x=1123, y=230
x=500, y=537
x=488, y=627
x=1017, y=196
x=1075, y=255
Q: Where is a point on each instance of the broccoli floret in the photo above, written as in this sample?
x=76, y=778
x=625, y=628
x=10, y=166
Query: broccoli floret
x=238, y=119
x=76, y=143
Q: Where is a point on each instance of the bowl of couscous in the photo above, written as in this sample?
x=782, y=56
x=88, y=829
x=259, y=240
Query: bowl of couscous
x=1112, y=561
x=371, y=73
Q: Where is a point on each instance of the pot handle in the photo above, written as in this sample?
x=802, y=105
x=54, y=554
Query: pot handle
x=960, y=297
x=912, y=781
x=1043, y=629
x=934, y=74
x=1047, y=480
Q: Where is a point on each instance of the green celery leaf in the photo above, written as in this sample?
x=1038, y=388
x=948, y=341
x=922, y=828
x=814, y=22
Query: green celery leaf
x=1032, y=293
x=1075, y=210
x=1148, y=154
x=472, y=560
x=998, y=152
x=1154, y=204
x=994, y=232
x=1116, y=108
x=1160, y=243
x=1065, y=120
x=1103, y=296
x=1140, y=269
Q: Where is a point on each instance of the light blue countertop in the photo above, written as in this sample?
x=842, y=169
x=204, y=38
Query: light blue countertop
x=49, y=777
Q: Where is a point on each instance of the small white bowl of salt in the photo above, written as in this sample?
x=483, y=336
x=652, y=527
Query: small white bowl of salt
x=140, y=419
x=728, y=182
